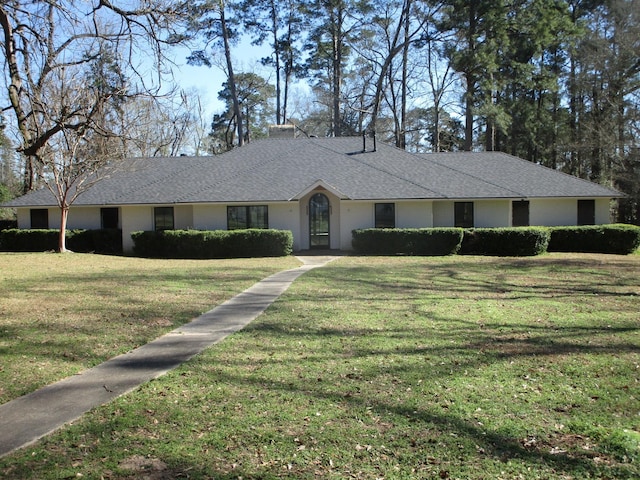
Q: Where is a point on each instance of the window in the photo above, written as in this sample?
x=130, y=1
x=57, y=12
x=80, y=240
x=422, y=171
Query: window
x=385, y=215
x=163, y=218
x=251, y=216
x=586, y=212
x=109, y=217
x=463, y=214
x=39, y=218
x=520, y=213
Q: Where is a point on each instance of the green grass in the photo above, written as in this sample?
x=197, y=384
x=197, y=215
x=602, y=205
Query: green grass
x=395, y=368
x=60, y=314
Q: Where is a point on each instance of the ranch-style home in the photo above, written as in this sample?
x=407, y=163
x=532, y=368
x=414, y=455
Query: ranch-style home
x=321, y=189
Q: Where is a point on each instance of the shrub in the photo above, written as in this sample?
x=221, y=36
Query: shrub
x=506, y=242
x=24, y=240
x=107, y=241
x=178, y=244
x=8, y=224
x=616, y=239
x=259, y=243
x=104, y=241
x=407, y=241
x=213, y=243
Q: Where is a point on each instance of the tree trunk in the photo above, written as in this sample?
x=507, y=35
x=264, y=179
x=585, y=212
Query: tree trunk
x=288, y=72
x=231, y=77
x=337, y=80
x=402, y=135
x=276, y=54
x=248, y=125
x=468, y=127
x=15, y=90
x=62, y=234
x=29, y=177
x=395, y=47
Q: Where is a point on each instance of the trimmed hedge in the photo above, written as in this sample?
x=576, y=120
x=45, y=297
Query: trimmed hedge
x=8, y=224
x=522, y=241
x=506, y=242
x=615, y=239
x=17, y=240
x=107, y=241
x=213, y=243
x=103, y=241
x=407, y=241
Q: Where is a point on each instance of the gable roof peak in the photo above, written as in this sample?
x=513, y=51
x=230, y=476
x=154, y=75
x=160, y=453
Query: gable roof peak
x=319, y=185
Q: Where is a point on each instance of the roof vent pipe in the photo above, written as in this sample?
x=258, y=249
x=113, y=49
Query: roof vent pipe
x=375, y=146
x=364, y=142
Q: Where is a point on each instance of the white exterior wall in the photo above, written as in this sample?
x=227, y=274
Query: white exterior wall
x=486, y=213
x=417, y=214
x=282, y=216
x=492, y=213
x=82, y=217
x=182, y=217
x=346, y=215
x=443, y=215
x=79, y=218
x=354, y=215
x=556, y=212
x=54, y=218
x=23, y=215
x=210, y=217
x=497, y=213
x=553, y=212
x=603, y=211
x=335, y=227
x=134, y=219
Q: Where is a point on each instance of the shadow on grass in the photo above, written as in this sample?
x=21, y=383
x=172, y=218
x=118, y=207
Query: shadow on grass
x=491, y=278
x=55, y=324
x=463, y=345
x=502, y=447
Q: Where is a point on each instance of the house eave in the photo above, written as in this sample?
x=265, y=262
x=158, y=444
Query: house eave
x=320, y=184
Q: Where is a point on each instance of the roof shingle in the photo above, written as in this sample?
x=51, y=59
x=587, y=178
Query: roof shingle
x=274, y=170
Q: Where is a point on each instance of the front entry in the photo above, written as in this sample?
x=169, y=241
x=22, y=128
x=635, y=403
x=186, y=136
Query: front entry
x=319, y=212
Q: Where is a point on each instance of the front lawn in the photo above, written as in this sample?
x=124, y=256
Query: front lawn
x=395, y=368
x=60, y=314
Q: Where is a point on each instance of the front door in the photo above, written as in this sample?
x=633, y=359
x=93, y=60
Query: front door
x=319, y=221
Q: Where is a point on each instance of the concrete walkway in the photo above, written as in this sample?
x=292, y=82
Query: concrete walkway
x=28, y=418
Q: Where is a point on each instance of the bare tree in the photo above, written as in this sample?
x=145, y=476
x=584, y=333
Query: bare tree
x=74, y=158
x=165, y=126
x=441, y=80
x=69, y=67
x=388, y=47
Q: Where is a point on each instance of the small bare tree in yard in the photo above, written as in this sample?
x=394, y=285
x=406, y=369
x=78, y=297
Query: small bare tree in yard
x=85, y=150
x=70, y=68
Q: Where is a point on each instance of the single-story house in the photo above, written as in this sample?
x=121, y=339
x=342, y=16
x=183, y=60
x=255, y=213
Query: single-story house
x=321, y=189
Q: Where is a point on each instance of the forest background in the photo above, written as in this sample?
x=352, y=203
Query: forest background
x=88, y=82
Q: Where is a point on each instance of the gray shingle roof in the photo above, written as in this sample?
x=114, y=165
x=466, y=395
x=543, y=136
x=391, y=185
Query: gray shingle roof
x=282, y=169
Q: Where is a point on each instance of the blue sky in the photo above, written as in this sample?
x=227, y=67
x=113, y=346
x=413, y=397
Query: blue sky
x=208, y=80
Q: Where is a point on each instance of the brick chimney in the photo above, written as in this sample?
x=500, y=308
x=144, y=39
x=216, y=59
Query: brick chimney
x=283, y=131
